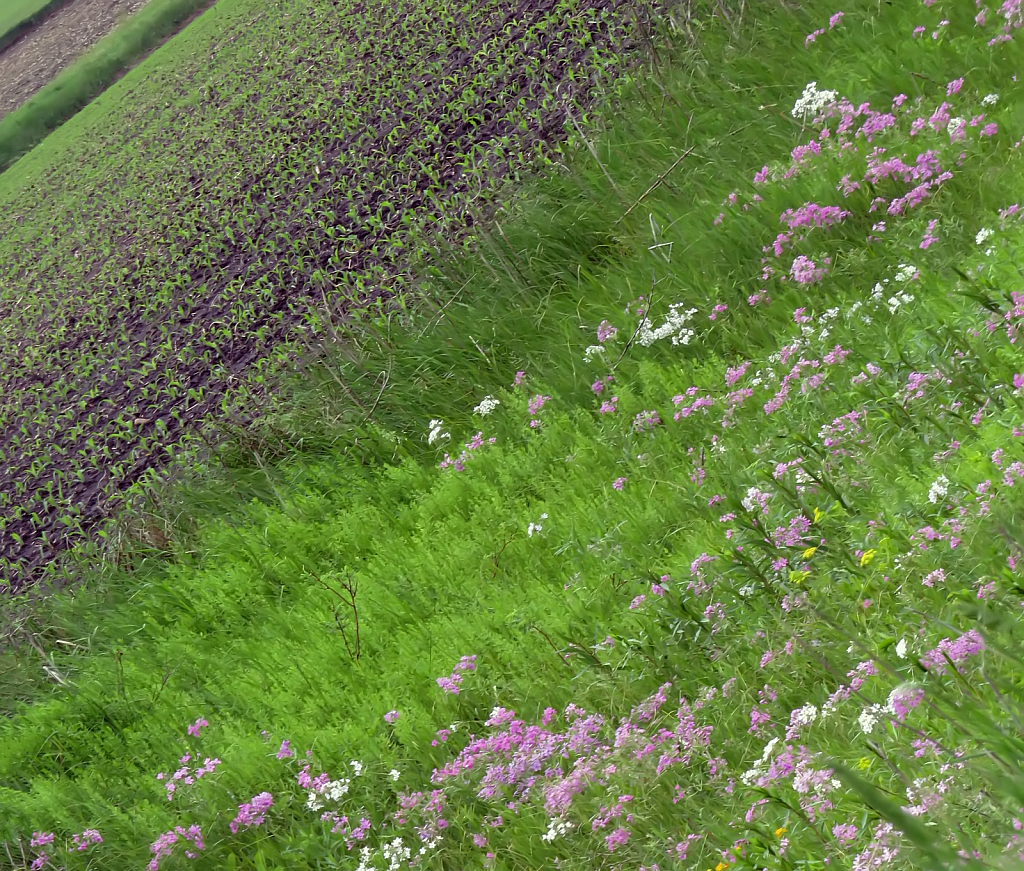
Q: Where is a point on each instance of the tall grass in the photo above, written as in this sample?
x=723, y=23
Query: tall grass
x=672, y=523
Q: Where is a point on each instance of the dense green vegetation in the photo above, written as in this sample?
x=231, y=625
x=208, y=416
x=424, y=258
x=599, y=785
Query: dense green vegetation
x=17, y=16
x=673, y=521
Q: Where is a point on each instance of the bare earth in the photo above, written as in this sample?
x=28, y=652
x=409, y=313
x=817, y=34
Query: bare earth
x=32, y=61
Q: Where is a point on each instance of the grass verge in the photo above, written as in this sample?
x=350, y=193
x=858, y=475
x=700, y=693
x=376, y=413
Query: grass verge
x=675, y=526
x=19, y=16
x=91, y=74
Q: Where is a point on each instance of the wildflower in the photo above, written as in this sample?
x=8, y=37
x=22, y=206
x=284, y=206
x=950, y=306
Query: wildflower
x=357, y=768
x=391, y=717
x=674, y=326
x=812, y=101
x=983, y=234
x=519, y=378
x=989, y=99
x=487, y=405
x=395, y=774
x=901, y=648
x=196, y=726
x=89, y=836
x=637, y=602
x=844, y=833
x=252, y=812
x=436, y=427
x=938, y=489
x=591, y=351
x=556, y=828
x=868, y=719
x=537, y=527
x=606, y=331
x=285, y=750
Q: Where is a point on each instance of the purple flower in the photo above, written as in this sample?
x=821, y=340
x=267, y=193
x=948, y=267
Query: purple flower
x=196, y=726
x=618, y=483
x=391, y=717
x=252, y=812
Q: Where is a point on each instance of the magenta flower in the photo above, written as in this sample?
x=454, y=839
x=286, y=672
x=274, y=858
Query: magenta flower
x=606, y=331
x=805, y=271
x=618, y=483
x=285, y=751
x=252, y=812
x=391, y=717
x=196, y=726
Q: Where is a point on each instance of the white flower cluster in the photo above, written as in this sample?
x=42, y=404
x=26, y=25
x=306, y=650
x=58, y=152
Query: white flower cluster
x=591, y=351
x=748, y=777
x=954, y=126
x=901, y=648
x=869, y=718
x=536, y=527
x=983, y=234
x=357, y=768
x=898, y=299
x=812, y=101
x=674, y=326
x=487, y=405
x=556, y=828
x=939, y=489
x=905, y=272
x=989, y=99
x=436, y=427
x=804, y=716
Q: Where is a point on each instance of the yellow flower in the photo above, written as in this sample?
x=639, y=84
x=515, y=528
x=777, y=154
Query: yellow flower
x=721, y=866
x=818, y=514
x=798, y=577
x=780, y=832
x=809, y=552
x=863, y=763
x=867, y=557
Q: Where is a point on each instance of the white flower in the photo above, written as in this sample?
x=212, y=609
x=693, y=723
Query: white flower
x=983, y=234
x=487, y=405
x=395, y=774
x=336, y=789
x=954, y=125
x=899, y=299
x=536, y=527
x=812, y=101
x=901, y=648
x=905, y=272
x=435, y=432
x=939, y=489
x=313, y=802
x=588, y=354
x=674, y=326
x=989, y=99
x=556, y=828
x=869, y=718
x=357, y=768
x=804, y=716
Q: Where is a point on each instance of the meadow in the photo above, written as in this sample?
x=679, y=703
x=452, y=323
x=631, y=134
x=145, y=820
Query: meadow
x=667, y=520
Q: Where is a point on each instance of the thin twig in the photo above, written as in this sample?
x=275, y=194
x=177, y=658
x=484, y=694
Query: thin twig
x=660, y=179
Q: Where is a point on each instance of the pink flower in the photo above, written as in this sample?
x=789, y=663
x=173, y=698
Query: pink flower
x=252, y=812
x=637, y=602
x=617, y=839
x=618, y=483
x=196, y=726
x=391, y=717
x=285, y=751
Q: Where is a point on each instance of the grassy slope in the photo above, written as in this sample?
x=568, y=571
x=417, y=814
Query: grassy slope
x=90, y=75
x=233, y=625
x=14, y=12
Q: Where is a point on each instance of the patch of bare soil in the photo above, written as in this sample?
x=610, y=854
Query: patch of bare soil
x=32, y=61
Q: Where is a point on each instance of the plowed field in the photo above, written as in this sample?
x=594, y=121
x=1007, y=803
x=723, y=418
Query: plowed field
x=155, y=255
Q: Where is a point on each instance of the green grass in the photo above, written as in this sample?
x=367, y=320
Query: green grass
x=16, y=16
x=89, y=76
x=710, y=572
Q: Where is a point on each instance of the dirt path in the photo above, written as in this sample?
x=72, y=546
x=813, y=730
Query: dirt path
x=31, y=62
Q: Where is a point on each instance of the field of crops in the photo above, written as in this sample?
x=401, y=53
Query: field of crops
x=279, y=160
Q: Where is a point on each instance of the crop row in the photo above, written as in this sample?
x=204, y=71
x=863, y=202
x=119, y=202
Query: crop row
x=283, y=169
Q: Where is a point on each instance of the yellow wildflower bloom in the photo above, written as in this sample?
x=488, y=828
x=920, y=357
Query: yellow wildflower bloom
x=809, y=552
x=867, y=557
x=780, y=832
